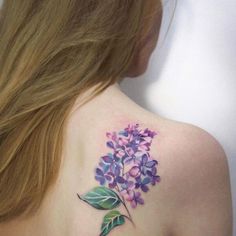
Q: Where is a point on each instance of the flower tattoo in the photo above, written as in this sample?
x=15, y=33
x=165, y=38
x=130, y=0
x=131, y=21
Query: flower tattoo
x=124, y=173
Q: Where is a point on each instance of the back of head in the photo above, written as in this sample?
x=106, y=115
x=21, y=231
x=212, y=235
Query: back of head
x=51, y=51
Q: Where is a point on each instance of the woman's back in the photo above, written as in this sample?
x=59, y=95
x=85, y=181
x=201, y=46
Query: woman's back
x=191, y=194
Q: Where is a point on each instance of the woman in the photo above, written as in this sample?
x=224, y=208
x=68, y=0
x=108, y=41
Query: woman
x=77, y=156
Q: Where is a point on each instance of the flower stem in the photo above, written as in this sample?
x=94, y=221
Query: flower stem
x=126, y=208
x=130, y=217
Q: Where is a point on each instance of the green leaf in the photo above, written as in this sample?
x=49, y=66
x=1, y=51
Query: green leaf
x=101, y=198
x=110, y=221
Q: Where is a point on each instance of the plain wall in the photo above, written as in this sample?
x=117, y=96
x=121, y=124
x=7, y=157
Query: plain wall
x=191, y=75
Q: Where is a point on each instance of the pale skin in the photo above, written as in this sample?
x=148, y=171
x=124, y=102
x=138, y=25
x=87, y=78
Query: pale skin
x=194, y=197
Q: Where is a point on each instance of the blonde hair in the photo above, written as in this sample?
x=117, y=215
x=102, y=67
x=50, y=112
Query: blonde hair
x=51, y=51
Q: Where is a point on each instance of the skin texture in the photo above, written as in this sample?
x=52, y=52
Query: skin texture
x=193, y=198
x=124, y=174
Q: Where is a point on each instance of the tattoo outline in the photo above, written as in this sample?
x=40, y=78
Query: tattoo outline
x=121, y=173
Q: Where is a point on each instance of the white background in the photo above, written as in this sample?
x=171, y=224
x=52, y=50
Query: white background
x=191, y=74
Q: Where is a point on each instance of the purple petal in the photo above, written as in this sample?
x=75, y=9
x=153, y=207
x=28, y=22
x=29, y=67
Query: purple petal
x=120, y=153
x=100, y=179
x=152, y=133
x=144, y=158
x=114, y=136
x=116, y=158
x=131, y=194
x=108, y=134
x=134, y=171
x=137, y=194
x=155, y=179
x=112, y=185
x=133, y=204
x=108, y=177
x=120, y=179
x=140, y=200
x=111, y=174
x=117, y=170
x=150, y=164
x=149, y=173
x=130, y=184
x=110, y=144
x=127, y=160
x=107, y=159
x=124, y=186
x=99, y=172
x=138, y=179
x=154, y=171
x=144, y=188
x=158, y=178
x=137, y=185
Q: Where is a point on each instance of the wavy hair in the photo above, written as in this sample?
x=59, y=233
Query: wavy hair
x=51, y=52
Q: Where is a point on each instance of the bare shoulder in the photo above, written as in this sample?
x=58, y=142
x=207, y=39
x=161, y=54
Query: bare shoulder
x=193, y=196
x=195, y=181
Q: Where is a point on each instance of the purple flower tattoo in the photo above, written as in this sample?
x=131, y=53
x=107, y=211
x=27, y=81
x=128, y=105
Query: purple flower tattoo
x=124, y=173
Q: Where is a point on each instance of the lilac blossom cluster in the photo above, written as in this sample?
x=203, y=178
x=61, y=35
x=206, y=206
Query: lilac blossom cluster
x=129, y=167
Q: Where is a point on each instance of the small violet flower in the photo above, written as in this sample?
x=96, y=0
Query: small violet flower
x=134, y=198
